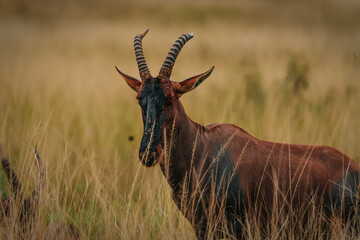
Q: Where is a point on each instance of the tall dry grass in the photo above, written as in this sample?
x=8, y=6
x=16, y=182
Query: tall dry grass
x=59, y=90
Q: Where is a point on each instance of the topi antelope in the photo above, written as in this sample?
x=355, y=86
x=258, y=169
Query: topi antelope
x=218, y=171
x=24, y=209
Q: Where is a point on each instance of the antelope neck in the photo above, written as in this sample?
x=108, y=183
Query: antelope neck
x=186, y=132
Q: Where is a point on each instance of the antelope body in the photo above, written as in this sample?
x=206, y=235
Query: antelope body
x=218, y=171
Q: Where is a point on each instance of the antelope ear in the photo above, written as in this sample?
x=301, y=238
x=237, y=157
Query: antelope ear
x=132, y=82
x=190, y=83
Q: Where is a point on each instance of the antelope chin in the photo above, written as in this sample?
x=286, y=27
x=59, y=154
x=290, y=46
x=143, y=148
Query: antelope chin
x=153, y=157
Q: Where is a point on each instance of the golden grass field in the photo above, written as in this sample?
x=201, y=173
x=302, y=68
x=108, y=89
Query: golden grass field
x=59, y=91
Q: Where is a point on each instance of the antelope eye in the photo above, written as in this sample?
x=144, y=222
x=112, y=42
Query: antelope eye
x=139, y=99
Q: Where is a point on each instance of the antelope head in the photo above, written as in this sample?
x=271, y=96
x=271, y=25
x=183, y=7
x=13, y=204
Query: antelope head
x=158, y=96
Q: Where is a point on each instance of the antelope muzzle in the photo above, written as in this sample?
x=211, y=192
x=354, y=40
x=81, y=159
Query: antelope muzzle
x=150, y=158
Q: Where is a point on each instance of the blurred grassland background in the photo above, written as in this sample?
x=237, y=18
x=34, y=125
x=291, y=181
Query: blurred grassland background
x=285, y=71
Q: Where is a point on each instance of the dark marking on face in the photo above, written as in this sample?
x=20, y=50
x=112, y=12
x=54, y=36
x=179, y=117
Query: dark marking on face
x=151, y=99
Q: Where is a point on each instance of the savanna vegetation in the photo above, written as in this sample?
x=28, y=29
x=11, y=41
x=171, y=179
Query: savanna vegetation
x=285, y=71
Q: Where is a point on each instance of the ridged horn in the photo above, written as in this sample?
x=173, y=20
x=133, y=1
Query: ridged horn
x=140, y=59
x=168, y=64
